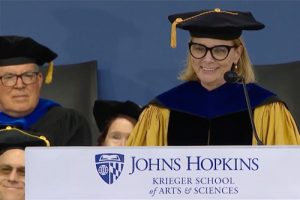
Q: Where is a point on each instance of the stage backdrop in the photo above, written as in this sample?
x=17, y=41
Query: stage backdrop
x=130, y=39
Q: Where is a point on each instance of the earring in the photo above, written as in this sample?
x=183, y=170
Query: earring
x=234, y=67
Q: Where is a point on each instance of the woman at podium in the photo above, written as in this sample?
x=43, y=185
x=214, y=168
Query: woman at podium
x=219, y=102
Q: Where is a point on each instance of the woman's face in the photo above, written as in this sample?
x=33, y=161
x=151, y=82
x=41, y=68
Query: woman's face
x=210, y=70
x=118, y=132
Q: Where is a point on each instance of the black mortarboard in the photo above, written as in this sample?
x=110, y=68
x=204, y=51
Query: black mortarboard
x=13, y=137
x=217, y=23
x=16, y=50
x=104, y=111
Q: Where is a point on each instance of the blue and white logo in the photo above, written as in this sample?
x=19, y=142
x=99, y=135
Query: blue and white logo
x=109, y=166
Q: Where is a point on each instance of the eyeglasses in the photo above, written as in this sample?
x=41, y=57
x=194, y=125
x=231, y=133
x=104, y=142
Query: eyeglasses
x=219, y=52
x=27, y=78
x=9, y=173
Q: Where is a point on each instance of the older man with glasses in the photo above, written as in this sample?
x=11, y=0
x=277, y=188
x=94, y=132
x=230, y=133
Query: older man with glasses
x=20, y=102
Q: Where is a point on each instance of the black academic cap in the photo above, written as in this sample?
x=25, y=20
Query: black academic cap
x=105, y=110
x=217, y=24
x=16, y=138
x=16, y=50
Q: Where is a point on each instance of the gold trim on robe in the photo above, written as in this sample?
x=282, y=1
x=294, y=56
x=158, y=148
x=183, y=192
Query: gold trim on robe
x=274, y=124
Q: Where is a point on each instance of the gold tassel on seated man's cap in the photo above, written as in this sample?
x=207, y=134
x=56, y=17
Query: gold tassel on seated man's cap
x=49, y=74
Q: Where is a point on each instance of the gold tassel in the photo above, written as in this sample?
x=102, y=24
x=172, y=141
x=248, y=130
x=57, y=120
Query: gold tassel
x=173, y=32
x=49, y=73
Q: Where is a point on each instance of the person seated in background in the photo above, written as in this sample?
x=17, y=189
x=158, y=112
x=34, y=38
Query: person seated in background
x=20, y=102
x=12, y=161
x=115, y=121
x=207, y=109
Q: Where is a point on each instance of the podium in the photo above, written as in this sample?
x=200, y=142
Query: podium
x=212, y=172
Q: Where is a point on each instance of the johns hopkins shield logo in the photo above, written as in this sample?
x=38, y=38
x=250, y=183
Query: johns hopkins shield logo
x=109, y=166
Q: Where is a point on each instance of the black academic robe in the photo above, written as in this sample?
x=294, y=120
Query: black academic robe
x=61, y=126
x=218, y=117
x=64, y=127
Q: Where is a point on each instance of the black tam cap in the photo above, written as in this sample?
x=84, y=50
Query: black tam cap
x=217, y=24
x=15, y=50
x=16, y=138
x=104, y=111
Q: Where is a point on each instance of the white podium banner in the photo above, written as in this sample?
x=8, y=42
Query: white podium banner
x=264, y=172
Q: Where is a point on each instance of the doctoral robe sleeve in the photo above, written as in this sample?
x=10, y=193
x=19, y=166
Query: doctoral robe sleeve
x=275, y=125
x=151, y=129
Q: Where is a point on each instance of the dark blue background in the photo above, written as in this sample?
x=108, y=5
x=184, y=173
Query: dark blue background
x=130, y=39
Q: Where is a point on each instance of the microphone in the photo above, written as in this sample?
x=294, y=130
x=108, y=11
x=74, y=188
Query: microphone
x=233, y=77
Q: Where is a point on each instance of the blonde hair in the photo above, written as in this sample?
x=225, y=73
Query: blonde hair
x=244, y=66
